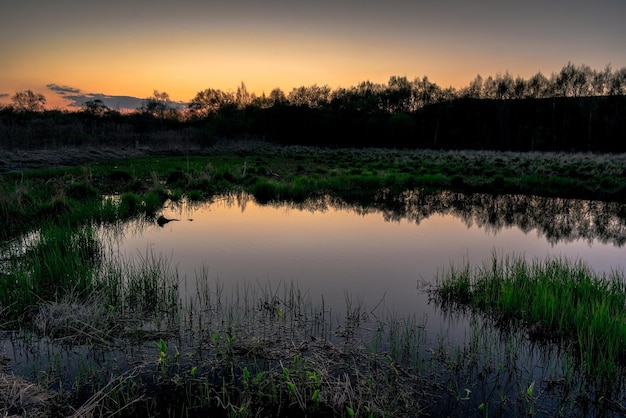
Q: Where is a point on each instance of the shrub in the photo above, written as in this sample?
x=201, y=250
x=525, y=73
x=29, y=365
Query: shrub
x=152, y=202
x=82, y=191
x=130, y=204
x=264, y=190
x=194, y=195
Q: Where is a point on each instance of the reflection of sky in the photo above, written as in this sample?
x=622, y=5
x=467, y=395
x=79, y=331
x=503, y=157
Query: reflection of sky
x=337, y=251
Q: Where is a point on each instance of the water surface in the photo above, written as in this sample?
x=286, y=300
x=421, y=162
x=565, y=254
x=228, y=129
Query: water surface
x=381, y=252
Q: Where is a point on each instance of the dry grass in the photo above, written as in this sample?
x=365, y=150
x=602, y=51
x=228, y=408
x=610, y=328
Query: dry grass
x=104, y=402
x=74, y=321
x=20, y=398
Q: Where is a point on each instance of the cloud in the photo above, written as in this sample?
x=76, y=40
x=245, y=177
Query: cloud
x=114, y=102
x=75, y=98
x=62, y=89
x=4, y=95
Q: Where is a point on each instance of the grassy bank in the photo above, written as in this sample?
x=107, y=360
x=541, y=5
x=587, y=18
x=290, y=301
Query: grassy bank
x=296, y=173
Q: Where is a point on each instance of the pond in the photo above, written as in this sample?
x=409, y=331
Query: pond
x=378, y=253
x=331, y=247
x=366, y=264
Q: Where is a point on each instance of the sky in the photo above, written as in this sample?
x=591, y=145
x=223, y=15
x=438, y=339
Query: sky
x=121, y=51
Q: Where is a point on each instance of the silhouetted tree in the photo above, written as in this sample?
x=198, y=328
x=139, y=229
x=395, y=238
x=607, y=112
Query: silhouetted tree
x=312, y=96
x=573, y=81
x=474, y=90
x=28, y=101
x=582, y=83
x=365, y=97
x=277, y=97
x=160, y=107
x=424, y=93
x=398, y=96
x=490, y=88
x=157, y=104
x=242, y=97
x=504, y=86
x=538, y=86
x=618, y=82
x=210, y=101
x=601, y=81
x=519, y=88
x=95, y=107
x=262, y=102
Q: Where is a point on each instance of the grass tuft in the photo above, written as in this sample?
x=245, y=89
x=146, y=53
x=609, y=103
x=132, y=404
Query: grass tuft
x=555, y=300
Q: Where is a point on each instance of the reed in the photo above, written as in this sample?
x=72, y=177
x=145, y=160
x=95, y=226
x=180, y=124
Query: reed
x=555, y=300
x=52, y=262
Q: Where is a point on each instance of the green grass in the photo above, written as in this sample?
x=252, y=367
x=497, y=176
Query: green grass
x=57, y=261
x=555, y=300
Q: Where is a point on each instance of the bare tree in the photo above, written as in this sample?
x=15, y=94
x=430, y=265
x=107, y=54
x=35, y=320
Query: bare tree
x=538, y=86
x=312, y=96
x=475, y=88
x=96, y=107
x=243, y=98
x=618, y=82
x=210, y=101
x=28, y=101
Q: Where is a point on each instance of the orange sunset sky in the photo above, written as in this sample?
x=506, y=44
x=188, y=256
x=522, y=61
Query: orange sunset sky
x=130, y=48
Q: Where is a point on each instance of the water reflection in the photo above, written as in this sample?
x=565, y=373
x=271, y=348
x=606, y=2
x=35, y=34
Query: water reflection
x=331, y=247
x=555, y=219
x=369, y=259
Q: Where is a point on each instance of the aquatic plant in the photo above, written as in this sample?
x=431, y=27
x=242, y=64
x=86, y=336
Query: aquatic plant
x=270, y=347
x=57, y=260
x=554, y=300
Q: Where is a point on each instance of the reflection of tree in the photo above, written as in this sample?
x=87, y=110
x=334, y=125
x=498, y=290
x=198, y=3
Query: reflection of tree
x=558, y=220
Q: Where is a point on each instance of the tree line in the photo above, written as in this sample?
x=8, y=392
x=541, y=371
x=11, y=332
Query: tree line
x=578, y=108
